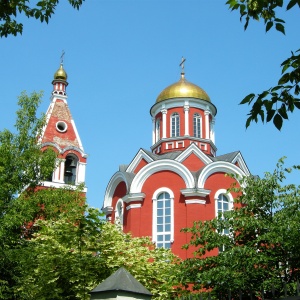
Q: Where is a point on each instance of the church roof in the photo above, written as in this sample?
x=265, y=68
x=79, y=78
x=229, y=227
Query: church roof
x=182, y=89
x=229, y=157
x=121, y=280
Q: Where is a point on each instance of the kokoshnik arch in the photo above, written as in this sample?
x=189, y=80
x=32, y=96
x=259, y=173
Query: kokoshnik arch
x=181, y=179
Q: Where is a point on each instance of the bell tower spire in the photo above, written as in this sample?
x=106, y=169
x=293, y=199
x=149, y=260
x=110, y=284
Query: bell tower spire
x=60, y=134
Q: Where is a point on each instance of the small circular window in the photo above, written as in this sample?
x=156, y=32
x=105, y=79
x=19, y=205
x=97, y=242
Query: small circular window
x=61, y=126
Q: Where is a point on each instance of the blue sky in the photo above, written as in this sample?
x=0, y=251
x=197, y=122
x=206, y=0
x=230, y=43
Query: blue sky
x=120, y=54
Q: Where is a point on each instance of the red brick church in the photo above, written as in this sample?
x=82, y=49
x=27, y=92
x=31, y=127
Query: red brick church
x=180, y=179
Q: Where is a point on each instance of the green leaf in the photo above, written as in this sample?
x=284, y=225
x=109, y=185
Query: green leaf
x=291, y=4
x=297, y=104
x=248, y=99
x=270, y=115
x=269, y=26
x=277, y=120
x=282, y=112
x=280, y=27
x=284, y=79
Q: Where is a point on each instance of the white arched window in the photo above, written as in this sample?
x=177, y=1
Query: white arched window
x=71, y=164
x=157, y=130
x=197, y=125
x=175, y=125
x=119, y=212
x=163, y=218
x=224, y=202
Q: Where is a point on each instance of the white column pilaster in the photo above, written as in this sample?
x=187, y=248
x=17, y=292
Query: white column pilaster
x=153, y=130
x=81, y=172
x=206, y=113
x=212, y=131
x=164, y=121
x=62, y=170
x=186, y=119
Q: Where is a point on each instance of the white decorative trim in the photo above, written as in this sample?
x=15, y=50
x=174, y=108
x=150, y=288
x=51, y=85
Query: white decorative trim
x=161, y=165
x=239, y=159
x=180, y=144
x=193, y=149
x=107, y=210
x=195, y=201
x=128, y=207
x=60, y=185
x=112, y=185
x=219, y=166
x=180, y=102
x=134, y=197
x=154, y=212
x=195, y=192
x=171, y=145
x=77, y=135
x=137, y=159
x=226, y=193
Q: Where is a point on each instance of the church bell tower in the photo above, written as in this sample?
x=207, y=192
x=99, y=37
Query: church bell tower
x=60, y=134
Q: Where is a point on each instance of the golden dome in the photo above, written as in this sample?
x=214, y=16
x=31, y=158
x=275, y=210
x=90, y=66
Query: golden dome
x=182, y=89
x=61, y=73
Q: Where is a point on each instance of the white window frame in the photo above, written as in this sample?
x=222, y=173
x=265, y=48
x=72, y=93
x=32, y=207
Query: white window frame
x=230, y=205
x=176, y=118
x=197, y=125
x=154, y=214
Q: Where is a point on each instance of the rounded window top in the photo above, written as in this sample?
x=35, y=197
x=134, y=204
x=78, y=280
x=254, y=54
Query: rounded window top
x=61, y=126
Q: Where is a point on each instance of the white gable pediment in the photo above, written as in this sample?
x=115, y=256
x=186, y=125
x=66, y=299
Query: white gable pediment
x=241, y=163
x=195, y=150
x=137, y=159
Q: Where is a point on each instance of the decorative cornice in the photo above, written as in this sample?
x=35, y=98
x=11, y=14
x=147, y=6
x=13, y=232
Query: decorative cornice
x=133, y=206
x=134, y=197
x=107, y=210
x=195, y=201
x=195, y=192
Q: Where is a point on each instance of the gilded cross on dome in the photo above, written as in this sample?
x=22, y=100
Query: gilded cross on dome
x=182, y=64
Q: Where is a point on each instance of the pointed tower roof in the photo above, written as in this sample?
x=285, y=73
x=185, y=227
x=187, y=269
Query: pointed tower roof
x=60, y=129
x=121, y=280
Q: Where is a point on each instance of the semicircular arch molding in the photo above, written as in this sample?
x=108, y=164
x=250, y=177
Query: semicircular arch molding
x=161, y=165
x=216, y=167
x=112, y=185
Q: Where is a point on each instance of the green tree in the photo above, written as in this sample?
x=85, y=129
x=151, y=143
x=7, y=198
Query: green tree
x=40, y=10
x=22, y=165
x=261, y=250
x=69, y=255
x=277, y=102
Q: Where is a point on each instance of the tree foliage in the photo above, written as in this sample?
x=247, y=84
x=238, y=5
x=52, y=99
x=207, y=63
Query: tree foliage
x=71, y=252
x=276, y=103
x=40, y=10
x=52, y=245
x=261, y=251
x=22, y=164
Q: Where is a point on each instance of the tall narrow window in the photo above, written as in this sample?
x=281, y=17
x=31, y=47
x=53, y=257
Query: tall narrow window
x=223, y=206
x=70, y=169
x=197, y=125
x=163, y=218
x=163, y=221
x=224, y=202
x=175, y=125
x=157, y=130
